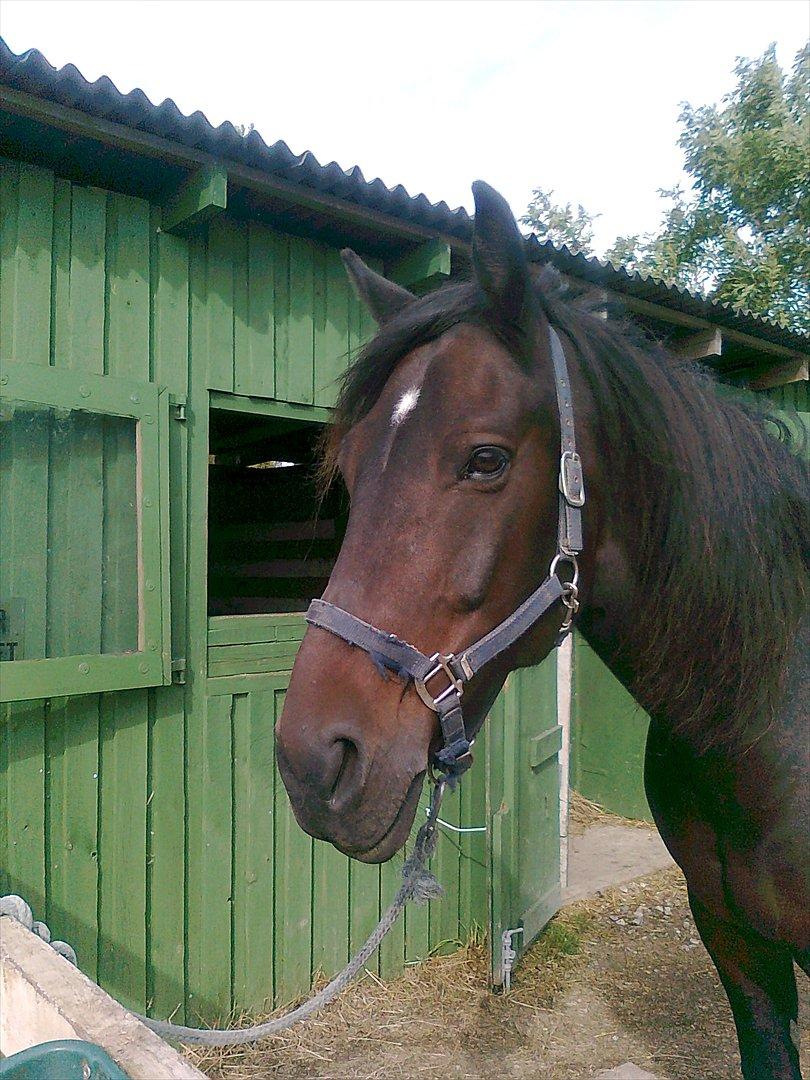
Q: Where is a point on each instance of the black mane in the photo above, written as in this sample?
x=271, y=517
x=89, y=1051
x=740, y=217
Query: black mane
x=718, y=527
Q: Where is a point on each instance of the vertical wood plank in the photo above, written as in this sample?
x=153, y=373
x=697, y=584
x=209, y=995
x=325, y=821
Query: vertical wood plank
x=25, y=791
x=331, y=325
x=364, y=890
x=26, y=235
x=9, y=230
x=444, y=912
x=80, y=278
x=24, y=479
x=330, y=909
x=165, y=808
x=209, y=898
x=127, y=287
x=262, y=312
x=170, y=309
x=119, y=535
x=254, y=370
x=76, y=481
x=473, y=874
x=254, y=782
x=75, y=540
x=296, y=382
x=199, y=1002
x=170, y=358
x=72, y=841
x=221, y=252
x=122, y=846
x=392, y=949
x=281, y=314
x=292, y=896
x=417, y=916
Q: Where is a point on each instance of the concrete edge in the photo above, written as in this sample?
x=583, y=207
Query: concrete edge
x=45, y=997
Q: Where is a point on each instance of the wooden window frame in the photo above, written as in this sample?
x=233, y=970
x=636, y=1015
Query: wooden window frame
x=148, y=405
x=257, y=646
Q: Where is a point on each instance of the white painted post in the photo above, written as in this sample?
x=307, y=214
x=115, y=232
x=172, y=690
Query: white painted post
x=564, y=669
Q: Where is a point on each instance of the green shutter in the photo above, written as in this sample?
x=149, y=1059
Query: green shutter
x=84, y=585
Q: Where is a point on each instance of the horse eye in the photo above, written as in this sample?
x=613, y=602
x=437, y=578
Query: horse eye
x=486, y=463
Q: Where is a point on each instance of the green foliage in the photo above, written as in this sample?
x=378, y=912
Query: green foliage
x=562, y=225
x=742, y=234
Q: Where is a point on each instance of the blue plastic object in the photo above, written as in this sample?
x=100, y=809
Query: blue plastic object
x=63, y=1059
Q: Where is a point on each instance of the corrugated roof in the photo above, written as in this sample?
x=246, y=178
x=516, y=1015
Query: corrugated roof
x=30, y=72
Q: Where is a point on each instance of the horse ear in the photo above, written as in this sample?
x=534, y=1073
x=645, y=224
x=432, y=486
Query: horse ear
x=382, y=297
x=499, y=254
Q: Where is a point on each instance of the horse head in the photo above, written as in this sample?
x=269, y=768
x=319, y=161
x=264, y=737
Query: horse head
x=448, y=440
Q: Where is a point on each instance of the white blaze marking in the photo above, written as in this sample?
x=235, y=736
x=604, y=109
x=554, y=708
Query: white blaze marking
x=405, y=405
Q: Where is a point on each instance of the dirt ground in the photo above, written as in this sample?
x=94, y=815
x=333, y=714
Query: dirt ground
x=615, y=978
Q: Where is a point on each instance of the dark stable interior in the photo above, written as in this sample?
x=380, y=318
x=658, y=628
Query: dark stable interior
x=272, y=538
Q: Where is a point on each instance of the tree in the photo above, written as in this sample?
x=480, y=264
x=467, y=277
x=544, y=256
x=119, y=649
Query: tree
x=560, y=224
x=742, y=235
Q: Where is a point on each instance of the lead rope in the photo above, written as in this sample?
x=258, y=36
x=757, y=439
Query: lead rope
x=418, y=885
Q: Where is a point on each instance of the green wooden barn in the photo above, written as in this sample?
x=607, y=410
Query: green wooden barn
x=173, y=320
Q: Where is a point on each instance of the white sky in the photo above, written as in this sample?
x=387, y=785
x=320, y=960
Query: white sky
x=578, y=96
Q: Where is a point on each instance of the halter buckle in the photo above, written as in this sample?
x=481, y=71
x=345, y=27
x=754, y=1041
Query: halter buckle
x=572, y=485
x=440, y=663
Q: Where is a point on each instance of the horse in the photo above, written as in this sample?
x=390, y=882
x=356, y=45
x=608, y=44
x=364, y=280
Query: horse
x=689, y=582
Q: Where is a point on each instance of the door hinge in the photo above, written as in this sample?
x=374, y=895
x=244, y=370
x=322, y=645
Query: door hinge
x=179, y=671
x=178, y=410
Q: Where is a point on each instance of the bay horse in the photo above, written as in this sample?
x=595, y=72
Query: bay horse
x=691, y=588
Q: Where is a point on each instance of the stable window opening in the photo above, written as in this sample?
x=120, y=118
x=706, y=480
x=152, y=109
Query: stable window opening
x=272, y=537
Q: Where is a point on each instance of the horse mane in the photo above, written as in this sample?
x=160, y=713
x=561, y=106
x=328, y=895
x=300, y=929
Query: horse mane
x=717, y=521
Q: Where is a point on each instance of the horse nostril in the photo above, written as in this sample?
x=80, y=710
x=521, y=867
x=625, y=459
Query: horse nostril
x=345, y=780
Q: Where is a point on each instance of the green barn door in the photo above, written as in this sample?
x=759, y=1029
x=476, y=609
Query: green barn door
x=523, y=793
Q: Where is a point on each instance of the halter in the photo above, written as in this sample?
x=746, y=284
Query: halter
x=392, y=653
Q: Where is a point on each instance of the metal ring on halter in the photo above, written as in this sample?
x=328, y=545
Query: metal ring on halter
x=563, y=556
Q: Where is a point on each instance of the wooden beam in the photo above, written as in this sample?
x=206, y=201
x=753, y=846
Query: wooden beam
x=680, y=318
x=425, y=267
x=125, y=138
x=794, y=371
x=200, y=197
x=698, y=346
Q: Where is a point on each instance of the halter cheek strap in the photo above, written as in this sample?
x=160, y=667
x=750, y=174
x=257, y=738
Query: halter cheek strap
x=392, y=653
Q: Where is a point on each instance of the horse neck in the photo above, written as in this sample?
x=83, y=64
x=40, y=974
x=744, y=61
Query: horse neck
x=703, y=705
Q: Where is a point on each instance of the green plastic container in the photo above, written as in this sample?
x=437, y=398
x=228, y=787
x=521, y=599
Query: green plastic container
x=63, y=1059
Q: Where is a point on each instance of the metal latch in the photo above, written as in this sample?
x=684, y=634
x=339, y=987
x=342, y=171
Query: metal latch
x=508, y=955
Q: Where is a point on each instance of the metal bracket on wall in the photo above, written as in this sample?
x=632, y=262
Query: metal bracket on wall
x=179, y=671
x=178, y=409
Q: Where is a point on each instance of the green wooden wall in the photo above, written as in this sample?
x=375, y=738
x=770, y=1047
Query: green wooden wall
x=608, y=735
x=149, y=827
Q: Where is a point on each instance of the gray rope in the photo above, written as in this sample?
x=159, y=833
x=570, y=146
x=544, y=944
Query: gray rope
x=418, y=885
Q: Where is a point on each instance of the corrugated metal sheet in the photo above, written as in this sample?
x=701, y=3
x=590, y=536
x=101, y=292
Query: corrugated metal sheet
x=31, y=72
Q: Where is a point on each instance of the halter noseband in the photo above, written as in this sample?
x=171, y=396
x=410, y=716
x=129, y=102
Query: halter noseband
x=389, y=651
